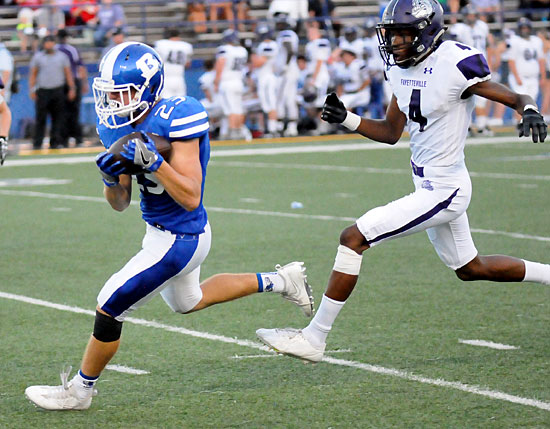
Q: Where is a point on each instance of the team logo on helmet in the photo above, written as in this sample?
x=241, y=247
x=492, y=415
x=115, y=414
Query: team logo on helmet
x=421, y=9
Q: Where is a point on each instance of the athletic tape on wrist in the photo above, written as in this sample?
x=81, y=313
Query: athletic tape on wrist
x=352, y=121
x=532, y=107
x=347, y=261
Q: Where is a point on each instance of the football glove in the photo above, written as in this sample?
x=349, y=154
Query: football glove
x=143, y=152
x=532, y=120
x=109, y=168
x=334, y=110
x=3, y=149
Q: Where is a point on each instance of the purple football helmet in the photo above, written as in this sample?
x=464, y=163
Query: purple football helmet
x=420, y=19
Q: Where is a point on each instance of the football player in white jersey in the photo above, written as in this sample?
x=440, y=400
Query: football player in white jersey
x=526, y=62
x=475, y=32
x=353, y=78
x=317, y=52
x=177, y=239
x=263, y=61
x=288, y=73
x=176, y=54
x=231, y=60
x=433, y=83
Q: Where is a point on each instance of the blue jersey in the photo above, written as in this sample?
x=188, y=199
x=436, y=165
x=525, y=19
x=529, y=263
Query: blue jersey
x=176, y=119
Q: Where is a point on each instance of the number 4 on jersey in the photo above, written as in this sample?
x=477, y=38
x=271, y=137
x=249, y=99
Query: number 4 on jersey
x=415, y=114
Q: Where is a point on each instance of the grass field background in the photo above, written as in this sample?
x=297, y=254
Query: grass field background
x=407, y=314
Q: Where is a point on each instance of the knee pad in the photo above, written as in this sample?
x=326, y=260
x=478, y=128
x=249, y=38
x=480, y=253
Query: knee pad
x=347, y=261
x=106, y=328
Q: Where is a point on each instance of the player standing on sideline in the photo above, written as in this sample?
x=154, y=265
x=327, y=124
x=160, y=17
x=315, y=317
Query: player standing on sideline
x=318, y=52
x=176, y=54
x=288, y=73
x=5, y=124
x=177, y=239
x=526, y=62
x=475, y=32
x=353, y=78
x=263, y=60
x=433, y=85
x=231, y=59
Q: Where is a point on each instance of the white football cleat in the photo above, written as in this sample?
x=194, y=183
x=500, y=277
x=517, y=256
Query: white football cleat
x=297, y=290
x=291, y=342
x=64, y=397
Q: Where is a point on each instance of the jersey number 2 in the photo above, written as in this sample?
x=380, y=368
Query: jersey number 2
x=415, y=114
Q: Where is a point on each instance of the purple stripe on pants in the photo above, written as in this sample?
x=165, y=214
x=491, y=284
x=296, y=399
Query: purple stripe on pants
x=422, y=218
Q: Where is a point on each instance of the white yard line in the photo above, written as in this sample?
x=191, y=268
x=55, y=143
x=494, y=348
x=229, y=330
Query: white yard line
x=371, y=170
x=126, y=370
x=246, y=151
x=490, y=344
x=477, y=390
x=34, y=194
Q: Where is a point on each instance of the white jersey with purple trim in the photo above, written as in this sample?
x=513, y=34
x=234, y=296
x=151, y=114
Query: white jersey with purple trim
x=526, y=54
x=267, y=49
x=318, y=50
x=430, y=95
x=236, y=58
x=176, y=119
x=283, y=38
x=472, y=35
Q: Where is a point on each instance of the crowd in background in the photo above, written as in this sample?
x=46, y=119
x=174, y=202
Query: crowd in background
x=274, y=83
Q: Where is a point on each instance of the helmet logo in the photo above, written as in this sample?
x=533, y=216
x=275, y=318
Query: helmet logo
x=148, y=65
x=421, y=9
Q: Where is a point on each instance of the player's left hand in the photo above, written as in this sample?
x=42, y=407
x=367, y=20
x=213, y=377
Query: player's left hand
x=143, y=152
x=532, y=120
x=3, y=149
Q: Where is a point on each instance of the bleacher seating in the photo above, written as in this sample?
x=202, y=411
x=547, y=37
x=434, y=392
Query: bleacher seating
x=147, y=20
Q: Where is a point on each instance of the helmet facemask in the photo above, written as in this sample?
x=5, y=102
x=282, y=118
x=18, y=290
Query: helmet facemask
x=108, y=107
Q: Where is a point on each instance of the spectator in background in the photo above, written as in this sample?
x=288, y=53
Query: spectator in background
x=5, y=124
x=109, y=16
x=196, y=12
x=242, y=8
x=80, y=76
x=6, y=71
x=117, y=37
x=82, y=12
x=321, y=11
x=25, y=24
x=49, y=18
x=176, y=54
x=295, y=9
x=50, y=73
x=221, y=9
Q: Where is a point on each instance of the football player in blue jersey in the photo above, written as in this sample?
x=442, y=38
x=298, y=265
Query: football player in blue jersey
x=177, y=239
x=433, y=83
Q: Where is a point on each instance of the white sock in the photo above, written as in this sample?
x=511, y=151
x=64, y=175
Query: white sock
x=536, y=272
x=321, y=324
x=481, y=122
x=83, y=383
x=270, y=282
x=272, y=126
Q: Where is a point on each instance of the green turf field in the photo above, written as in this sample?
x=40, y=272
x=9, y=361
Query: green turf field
x=395, y=354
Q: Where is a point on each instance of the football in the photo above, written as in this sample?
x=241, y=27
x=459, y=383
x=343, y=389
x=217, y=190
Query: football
x=163, y=146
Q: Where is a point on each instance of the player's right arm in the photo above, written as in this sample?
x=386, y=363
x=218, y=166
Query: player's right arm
x=387, y=130
x=118, y=186
x=119, y=196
